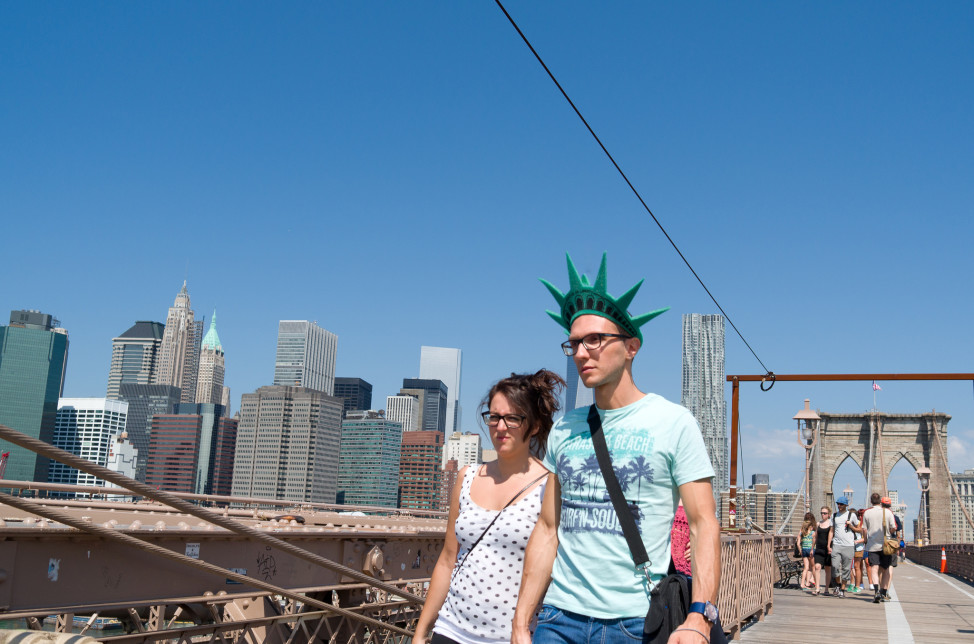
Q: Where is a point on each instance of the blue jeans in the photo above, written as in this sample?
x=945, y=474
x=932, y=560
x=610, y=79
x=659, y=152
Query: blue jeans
x=557, y=626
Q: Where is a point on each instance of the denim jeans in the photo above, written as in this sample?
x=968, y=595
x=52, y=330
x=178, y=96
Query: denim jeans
x=557, y=626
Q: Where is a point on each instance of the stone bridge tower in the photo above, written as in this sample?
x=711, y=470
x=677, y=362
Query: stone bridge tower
x=876, y=441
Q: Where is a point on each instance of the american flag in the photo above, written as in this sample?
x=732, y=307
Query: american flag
x=876, y=387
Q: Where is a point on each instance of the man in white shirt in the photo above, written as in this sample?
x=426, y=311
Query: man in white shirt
x=842, y=537
x=878, y=522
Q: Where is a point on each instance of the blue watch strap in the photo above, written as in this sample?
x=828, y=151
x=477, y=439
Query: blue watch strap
x=698, y=607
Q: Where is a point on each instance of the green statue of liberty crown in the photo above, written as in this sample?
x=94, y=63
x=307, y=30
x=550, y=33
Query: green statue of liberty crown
x=584, y=298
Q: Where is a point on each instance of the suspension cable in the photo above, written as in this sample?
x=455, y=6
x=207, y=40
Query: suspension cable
x=629, y=183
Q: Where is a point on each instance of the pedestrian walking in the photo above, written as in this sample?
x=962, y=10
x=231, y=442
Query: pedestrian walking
x=879, y=523
x=475, y=583
x=858, y=556
x=823, y=551
x=842, y=538
x=806, y=542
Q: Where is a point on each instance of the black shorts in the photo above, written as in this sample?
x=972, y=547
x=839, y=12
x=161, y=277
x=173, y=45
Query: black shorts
x=823, y=559
x=879, y=559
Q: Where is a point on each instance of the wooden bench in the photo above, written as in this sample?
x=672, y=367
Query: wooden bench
x=787, y=568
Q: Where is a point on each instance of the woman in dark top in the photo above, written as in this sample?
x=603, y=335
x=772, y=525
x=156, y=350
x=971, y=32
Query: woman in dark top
x=823, y=549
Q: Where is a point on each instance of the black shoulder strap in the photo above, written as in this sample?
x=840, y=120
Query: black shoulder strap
x=626, y=520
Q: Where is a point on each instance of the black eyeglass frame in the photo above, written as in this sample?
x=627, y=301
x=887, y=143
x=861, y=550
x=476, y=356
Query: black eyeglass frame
x=570, y=347
x=507, y=423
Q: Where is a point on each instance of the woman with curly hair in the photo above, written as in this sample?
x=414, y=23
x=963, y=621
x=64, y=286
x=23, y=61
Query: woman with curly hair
x=474, y=587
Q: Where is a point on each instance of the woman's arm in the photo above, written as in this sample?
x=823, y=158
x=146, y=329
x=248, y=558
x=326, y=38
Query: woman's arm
x=440, y=581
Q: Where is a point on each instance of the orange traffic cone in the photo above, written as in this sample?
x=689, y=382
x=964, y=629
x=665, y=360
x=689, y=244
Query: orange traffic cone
x=943, y=560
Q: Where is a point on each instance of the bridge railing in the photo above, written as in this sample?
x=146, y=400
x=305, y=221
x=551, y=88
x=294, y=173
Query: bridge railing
x=960, y=557
x=747, y=574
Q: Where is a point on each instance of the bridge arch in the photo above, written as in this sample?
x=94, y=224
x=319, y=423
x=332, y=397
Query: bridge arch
x=877, y=441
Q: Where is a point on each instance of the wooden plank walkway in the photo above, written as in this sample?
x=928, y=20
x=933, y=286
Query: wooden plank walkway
x=928, y=608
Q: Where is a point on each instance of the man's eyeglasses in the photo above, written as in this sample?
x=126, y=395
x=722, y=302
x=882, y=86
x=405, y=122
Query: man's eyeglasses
x=513, y=421
x=591, y=342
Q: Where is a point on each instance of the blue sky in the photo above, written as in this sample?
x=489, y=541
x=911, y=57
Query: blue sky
x=404, y=172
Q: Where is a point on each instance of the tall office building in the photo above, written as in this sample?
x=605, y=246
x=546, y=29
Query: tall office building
x=355, y=394
x=404, y=410
x=94, y=429
x=368, y=467
x=703, y=387
x=462, y=448
x=179, y=353
x=961, y=529
x=288, y=441
x=145, y=401
x=209, y=382
x=576, y=393
x=135, y=356
x=191, y=449
x=432, y=396
x=420, y=474
x=305, y=356
x=444, y=364
x=33, y=360
x=86, y=427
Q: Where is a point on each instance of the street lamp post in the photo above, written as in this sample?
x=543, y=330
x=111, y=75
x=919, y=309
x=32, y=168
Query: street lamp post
x=923, y=479
x=808, y=422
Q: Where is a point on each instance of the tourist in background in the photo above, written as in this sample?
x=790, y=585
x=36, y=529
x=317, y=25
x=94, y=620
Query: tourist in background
x=857, y=562
x=475, y=583
x=878, y=522
x=806, y=542
x=823, y=550
x=842, y=540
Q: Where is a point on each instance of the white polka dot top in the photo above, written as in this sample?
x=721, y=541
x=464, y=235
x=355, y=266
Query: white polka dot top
x=483, y=593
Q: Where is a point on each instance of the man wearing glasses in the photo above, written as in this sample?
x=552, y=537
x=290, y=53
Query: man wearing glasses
x=659, y=457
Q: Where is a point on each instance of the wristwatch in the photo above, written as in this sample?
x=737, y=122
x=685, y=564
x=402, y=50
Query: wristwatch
x=708, y=610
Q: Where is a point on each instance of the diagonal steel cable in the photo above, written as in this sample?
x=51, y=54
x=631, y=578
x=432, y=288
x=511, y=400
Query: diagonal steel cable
x=629, y=183
x=141, y=489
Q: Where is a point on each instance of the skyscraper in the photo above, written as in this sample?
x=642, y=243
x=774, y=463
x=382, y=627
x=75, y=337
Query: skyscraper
x=355, y=394
x=444, y=364
x=191, y=450
x=135, y=356
x=432, y=396
x=287, y=445
x=368, y=467
x=179, y=353
x=403, y=410
x=33, y=360
x=145, y=401
x=209, y=383
x=462, y=448
x=86, y=427
x=305, y=356
x=703, y=386
x=576, y=393
x=420, y=475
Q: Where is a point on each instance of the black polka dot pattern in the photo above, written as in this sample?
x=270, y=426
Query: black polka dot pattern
x=483, y=593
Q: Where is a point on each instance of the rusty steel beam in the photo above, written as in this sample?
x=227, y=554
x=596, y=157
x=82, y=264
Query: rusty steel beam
x=771, y=377
x=141, y=489
x=197, y=563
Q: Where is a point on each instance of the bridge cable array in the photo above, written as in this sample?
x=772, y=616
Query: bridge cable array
x=635, y=192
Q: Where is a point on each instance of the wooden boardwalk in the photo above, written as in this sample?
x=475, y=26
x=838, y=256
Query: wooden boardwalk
x=928, y=608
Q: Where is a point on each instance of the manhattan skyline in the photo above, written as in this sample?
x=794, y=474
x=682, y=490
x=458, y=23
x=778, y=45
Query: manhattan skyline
x=812, y=162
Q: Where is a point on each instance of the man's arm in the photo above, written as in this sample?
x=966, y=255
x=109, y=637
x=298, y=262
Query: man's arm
x=698, y=503
x=539, y=556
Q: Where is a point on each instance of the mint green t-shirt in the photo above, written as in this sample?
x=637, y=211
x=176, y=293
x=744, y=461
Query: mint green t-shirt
x=655, y=446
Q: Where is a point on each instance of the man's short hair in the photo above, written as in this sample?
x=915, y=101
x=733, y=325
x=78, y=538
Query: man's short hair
x=875, y=498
